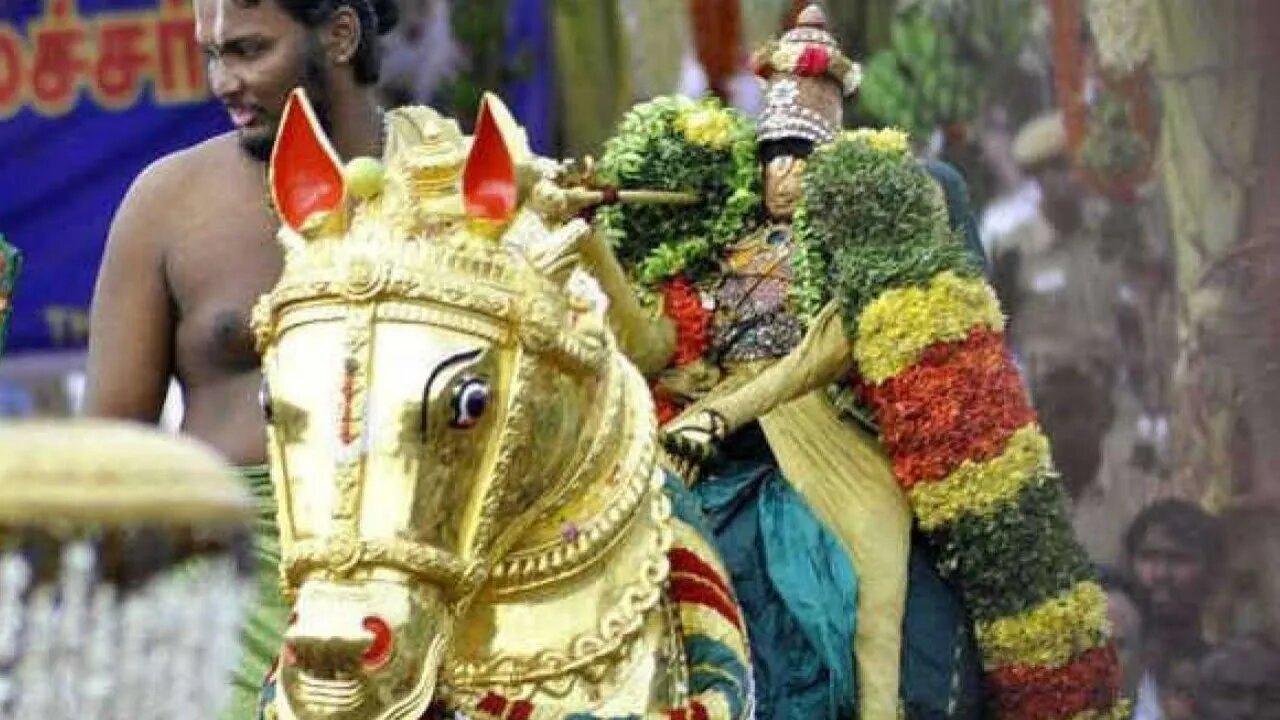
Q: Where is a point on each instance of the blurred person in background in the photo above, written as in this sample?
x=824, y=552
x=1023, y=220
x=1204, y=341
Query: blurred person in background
x=1171, y=550
x=1014, y=203
x=1239, y=681
x=1077, y=326
x=192, y=247
x=420, y=54
x=1125, y=611
x=1250, y=600
x=1177, y=680
x=1064, y=307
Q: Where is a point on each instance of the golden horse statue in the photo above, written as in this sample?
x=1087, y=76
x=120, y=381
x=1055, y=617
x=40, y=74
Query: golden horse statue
x=473, y=520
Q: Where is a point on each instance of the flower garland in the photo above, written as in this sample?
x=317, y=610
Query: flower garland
x=10, y=263
x=934, y=376
x=675, y=143
x=1111, y=138
x=1066, y=23
x=682, y=302
x=717, y=37
x=933, y=370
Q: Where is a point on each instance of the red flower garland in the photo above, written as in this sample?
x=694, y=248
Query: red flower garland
x=717, y=39
x=683, y=304
x=1066, y=18
x=1091, y=681
x=960, y=401
x=813, y=61
x=664, y=406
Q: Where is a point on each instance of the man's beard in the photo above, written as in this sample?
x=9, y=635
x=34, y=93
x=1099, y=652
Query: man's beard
x=259, y=142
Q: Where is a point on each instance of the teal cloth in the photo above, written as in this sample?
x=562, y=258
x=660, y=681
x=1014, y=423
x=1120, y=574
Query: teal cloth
x=10, y=265
x=796, y=585
x=798, y=590
x=941, y=669
x=959, y=209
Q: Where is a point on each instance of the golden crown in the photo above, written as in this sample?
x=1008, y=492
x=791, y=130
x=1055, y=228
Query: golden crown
x=806, y=77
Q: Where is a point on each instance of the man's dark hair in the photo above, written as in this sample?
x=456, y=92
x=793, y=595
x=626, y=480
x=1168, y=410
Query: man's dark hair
x=1184, y=520
x=377, y=17
x=1076, y=412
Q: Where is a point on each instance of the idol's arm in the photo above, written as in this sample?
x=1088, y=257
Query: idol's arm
x=821, y=358
x=645, y=335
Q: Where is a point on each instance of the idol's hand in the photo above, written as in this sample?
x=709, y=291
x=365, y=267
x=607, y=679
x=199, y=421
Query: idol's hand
x=693, y=440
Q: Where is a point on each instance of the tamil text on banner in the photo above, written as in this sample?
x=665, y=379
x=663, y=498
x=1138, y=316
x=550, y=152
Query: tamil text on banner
x=91, y=92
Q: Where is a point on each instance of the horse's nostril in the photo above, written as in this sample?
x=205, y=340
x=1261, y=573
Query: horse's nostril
x=379, y=650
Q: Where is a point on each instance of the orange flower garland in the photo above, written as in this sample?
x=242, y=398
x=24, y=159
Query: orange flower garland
x=682, y=303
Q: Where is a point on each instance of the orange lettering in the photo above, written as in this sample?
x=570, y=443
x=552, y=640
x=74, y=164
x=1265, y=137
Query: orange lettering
x=125, y=57
x=12, y=70
x=57, y=64
x=181, y=72
x=113, y=56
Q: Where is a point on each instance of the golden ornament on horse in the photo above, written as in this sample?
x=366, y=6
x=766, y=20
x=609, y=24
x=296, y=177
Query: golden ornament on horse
x=472, y=517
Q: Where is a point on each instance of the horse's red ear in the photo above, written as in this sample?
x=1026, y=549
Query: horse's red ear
x=305, y=175
x=489, y=178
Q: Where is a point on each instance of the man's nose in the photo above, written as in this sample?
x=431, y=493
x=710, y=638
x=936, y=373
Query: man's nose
x=222, y=80
x=1162, y=569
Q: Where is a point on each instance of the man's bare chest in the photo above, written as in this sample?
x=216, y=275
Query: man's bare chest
x=215, y=278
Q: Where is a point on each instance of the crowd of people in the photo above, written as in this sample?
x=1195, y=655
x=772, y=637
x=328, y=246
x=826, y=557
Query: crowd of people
x=1189, y=592
x=1179, y=661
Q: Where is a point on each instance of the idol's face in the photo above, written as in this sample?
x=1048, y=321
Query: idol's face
x=782, y=186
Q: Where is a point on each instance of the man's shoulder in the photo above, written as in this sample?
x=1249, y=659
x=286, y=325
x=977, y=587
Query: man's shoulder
x=193, y=182
x=195, y=162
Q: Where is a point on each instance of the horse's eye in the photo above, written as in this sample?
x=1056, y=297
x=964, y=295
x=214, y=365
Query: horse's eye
x=470, y=400
x=264, y=400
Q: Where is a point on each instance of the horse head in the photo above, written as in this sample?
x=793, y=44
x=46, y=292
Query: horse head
x=439, y=388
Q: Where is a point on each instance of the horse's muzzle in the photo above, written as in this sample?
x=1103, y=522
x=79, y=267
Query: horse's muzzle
x=363, y=649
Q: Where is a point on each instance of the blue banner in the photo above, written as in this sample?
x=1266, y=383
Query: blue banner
x=528, y=51
x=91, y=91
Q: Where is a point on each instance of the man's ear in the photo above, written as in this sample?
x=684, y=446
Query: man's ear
x=342, y=35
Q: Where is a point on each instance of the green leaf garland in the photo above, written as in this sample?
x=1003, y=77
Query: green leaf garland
x=676, y=143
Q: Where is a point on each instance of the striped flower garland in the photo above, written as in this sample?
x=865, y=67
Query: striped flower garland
x=928, y=344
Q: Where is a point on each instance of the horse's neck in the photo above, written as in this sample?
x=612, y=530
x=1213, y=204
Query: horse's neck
x=584, y=583
x=599, y=496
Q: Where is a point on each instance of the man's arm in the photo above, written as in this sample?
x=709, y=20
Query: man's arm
x=131, y=329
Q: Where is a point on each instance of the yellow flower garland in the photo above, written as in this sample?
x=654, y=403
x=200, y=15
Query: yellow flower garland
x=890, y=140
x=977, y=488
x=900, y=324
x=706, y=126
x=1048, y=635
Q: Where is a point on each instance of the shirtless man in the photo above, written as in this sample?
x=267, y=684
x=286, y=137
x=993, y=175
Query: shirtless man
x=193, y=245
